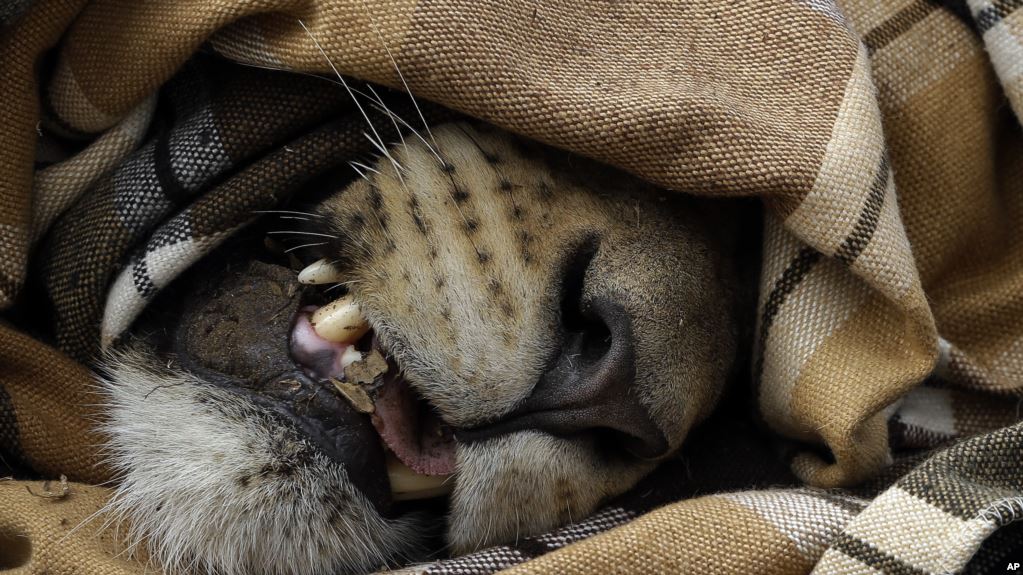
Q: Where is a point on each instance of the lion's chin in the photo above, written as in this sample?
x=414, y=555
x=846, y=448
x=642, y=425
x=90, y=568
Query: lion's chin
x=210, y=481
x=528, y=483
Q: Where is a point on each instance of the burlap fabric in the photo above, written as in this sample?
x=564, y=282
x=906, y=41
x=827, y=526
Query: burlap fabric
x=881, y=137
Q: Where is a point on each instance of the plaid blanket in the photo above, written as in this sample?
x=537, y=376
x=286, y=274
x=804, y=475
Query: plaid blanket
x=882, y=137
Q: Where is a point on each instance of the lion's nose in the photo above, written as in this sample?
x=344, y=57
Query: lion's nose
x=589, y=389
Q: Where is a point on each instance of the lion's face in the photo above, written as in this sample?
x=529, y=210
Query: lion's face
x=552, y=328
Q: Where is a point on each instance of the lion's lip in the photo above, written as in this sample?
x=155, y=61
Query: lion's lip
x=231, y=329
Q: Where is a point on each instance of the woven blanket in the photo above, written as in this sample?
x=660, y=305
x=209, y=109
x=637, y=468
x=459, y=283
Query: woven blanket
x=882, y=137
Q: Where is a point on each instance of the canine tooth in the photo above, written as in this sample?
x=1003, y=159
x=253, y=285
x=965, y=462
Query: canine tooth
x=319, y=272
x=340, y=321
x=407, y=485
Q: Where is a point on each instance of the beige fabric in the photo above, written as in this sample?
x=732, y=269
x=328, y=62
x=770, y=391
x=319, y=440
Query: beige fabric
x=56, y=187
x=738, y=533
x=55, y=406
x=876, y=133
x=707, y=108
x=44, y=529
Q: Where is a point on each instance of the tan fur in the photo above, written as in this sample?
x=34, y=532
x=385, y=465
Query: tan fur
x=469, y=304
x=457, y=251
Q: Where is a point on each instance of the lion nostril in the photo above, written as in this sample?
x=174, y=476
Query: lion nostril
x=582, y=325
x=586, y=333
x=589, y=389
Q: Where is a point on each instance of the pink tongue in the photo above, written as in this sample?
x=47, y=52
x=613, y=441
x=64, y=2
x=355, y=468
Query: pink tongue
x=408, y=427
x=414, y=433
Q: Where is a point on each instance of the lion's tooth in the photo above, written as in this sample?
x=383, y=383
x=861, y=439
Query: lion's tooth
x=340, y=321
x=349, y=356
x=407, y=485
x=319, y=272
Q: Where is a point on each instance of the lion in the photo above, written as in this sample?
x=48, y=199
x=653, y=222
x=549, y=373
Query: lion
x=484, y=338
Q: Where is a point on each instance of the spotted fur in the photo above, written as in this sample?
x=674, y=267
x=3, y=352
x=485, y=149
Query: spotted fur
x=460, y=248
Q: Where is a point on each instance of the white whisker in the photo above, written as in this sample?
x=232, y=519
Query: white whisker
x=289, y=250
x=305, y=233
x=413, y=130
x=390, y=114
x=400, y=75
x=380, y=147
x=288, y=70
x=358, y=171
x=365, y=167
x=310, y=214
x=379, y=141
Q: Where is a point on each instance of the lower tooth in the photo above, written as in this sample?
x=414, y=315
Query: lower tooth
x=407, y=485
x=349, y=356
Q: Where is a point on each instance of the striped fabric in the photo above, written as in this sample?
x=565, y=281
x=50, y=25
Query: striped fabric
x=882, y=136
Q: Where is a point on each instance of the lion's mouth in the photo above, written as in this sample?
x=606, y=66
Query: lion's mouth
x=245, y=327
x=339, y=349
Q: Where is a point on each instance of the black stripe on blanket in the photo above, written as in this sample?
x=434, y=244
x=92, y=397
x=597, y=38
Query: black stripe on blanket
x=897, y=25
x=904, y=20
x=872, y=556
x=786, y=284
x=866, y=225
x=989, y=17
x=964, y=479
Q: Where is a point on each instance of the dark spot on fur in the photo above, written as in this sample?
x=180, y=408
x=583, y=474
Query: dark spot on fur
x=391, y=247
x=439, y=282
x=244, y=480
x=433, y=253
x=495, y=287
x=405, y=276
x=447, y=168
x=471, y=225
x=491, y=157
x=413, y=206
x=446, y=313
x=506, y=186
x=376, y=201
x=507, y=309
x=357, y=221
x=524, y=239
x=483, y=257
x=460, y=195
x=420, y=224
x=544, y=190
